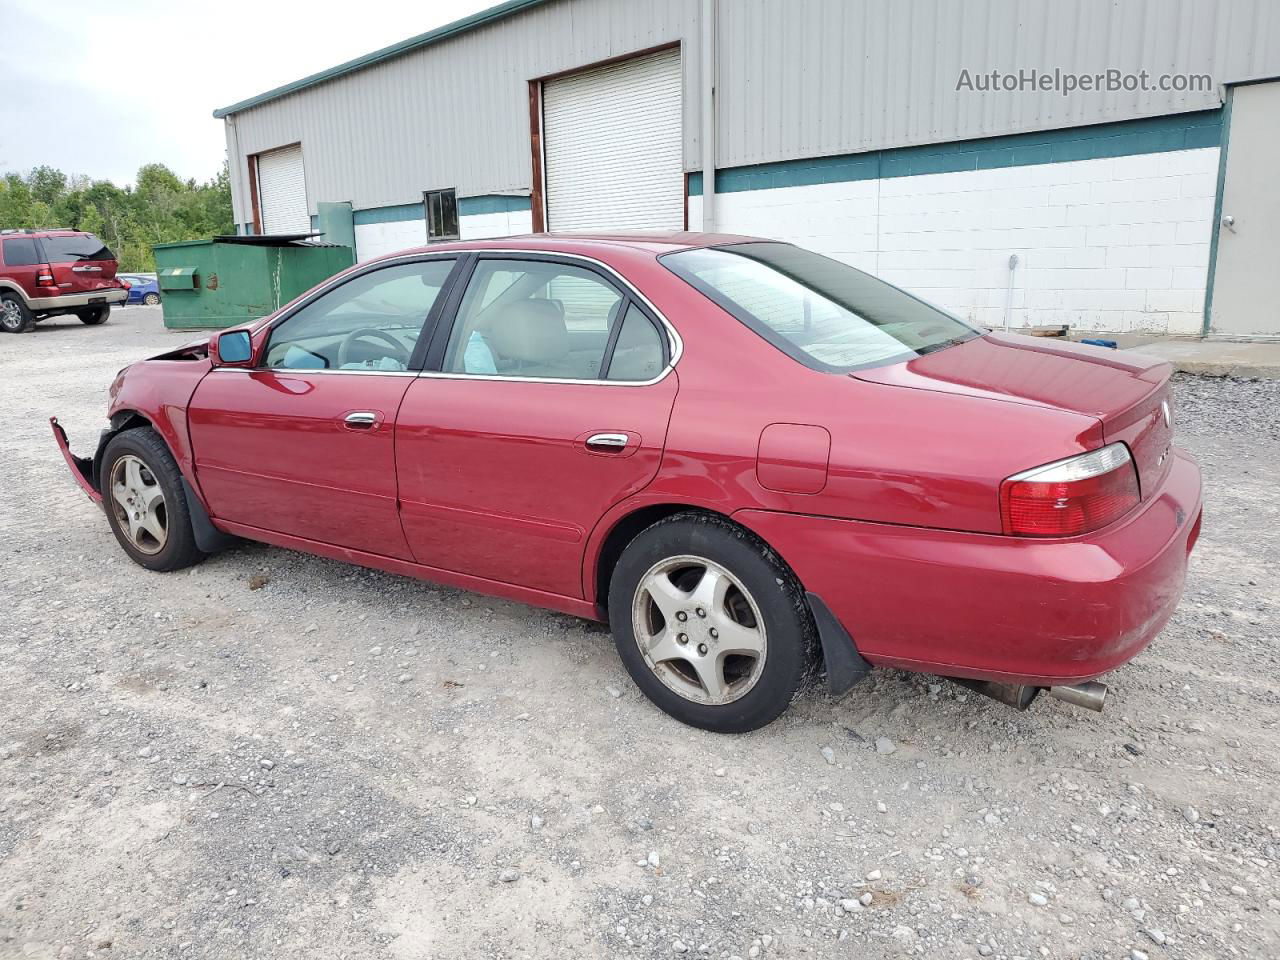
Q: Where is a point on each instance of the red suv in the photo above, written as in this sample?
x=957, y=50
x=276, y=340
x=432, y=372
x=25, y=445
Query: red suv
x=44, y=273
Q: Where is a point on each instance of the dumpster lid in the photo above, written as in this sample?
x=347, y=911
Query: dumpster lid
x=275, y=240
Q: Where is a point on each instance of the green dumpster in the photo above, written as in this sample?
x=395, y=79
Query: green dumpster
x=225, y=281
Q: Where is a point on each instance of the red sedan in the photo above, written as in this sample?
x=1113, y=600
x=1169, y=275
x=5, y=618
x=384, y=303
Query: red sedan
x=754, y=462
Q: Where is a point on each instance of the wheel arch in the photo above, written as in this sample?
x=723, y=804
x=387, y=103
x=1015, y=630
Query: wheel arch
x=840, y=659
x=120, y=421
x=10, y=286
x=208, y=537
x=621, y=532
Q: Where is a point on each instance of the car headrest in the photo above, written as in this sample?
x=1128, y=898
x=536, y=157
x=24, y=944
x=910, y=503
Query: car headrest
x=530, y=330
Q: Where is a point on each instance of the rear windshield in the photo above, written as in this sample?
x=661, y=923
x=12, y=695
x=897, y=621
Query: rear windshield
x=822, y=312
x=85, y=246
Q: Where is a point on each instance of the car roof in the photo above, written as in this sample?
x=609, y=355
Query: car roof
x=52, y=232
x=655, y=242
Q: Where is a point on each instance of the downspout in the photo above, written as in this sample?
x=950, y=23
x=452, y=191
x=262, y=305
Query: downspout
x=707, y=138
x=234, y=171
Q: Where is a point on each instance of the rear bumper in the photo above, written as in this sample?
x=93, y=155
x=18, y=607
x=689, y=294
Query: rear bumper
x=999, y=608
x=69, y=301
x=81, y=468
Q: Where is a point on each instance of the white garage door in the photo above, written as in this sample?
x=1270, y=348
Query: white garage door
x=282, y=191
x=612, y=143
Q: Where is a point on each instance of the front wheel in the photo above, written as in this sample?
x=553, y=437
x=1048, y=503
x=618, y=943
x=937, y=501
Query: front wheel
x=710, y=623
x=92, y=316
x=146, y=505
x=151, y=299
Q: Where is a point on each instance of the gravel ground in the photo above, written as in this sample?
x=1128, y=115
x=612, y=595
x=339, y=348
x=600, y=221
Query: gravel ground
x=275, y=755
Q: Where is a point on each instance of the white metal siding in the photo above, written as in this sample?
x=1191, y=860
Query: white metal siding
x=795, y=78
x=282, y=191
x=454, y=114
x=611, y=140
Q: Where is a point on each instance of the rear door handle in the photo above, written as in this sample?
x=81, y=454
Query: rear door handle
x=360, y=420
x=607, y=442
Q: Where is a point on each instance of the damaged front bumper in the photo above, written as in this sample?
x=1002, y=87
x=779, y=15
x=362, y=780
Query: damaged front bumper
x=81, y=468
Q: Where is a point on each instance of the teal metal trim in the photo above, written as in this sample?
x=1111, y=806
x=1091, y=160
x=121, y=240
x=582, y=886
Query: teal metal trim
x=1217, y=211
x=386, y=53
x=403, y=211
x=1182, y=131
x=467, y=207
x=492, y=203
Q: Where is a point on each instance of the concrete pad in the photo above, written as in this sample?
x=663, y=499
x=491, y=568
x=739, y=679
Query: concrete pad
x=1218, y=358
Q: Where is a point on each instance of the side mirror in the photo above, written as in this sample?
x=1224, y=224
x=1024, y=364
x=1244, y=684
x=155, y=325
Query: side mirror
x=232, y=348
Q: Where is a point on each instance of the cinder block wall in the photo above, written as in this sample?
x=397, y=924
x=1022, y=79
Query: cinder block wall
x=1114, y=243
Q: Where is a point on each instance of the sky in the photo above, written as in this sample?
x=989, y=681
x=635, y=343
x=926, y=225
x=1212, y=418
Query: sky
x=101, y=89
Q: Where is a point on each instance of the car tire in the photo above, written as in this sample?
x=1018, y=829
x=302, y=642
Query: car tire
x=14, y=315
x=146, y=504
x=151, y=299
x=749, y=639
x=92, y=316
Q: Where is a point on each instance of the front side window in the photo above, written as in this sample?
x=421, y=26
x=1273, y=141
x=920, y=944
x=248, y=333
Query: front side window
x=371, y=322
x=824, y=313
x=85, y=246
x=530, y=318
x=21, y=252
x=442, y=215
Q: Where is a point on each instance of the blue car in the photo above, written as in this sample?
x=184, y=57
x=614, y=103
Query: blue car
x=142, y=288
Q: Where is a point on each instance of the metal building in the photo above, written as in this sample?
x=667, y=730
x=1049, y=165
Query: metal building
x=875, y=132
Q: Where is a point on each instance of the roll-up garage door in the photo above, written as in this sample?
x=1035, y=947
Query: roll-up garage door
x=282, y=191
x=612, y=139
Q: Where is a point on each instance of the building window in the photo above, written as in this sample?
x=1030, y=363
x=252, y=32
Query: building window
x=442, y=215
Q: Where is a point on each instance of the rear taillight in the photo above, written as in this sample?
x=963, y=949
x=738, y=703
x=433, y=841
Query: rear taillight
x=44, y=277
x=1071, y=496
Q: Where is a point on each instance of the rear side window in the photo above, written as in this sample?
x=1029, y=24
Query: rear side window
x=638, y=353
x=84, y=246
x=533, y=319
x=21, y=252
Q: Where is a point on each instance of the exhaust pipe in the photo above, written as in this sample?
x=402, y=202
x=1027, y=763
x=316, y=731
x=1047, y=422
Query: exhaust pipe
x=1016, y=695
x=1091, y=694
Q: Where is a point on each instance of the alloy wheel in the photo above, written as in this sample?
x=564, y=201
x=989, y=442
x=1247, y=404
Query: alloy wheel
x=699, y=630
x=10, y=315
x=138, y=504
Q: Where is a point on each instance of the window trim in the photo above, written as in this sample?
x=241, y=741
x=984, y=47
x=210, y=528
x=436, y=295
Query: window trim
x=672, y=345
x=426, y=212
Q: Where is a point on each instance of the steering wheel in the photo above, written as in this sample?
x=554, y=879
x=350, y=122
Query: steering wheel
x=401, y=353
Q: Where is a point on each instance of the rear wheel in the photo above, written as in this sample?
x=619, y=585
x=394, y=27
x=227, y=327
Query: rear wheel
x=710, y=623
x=146, y=505
x=92, y=316
x=14, y=315
x=151, y=299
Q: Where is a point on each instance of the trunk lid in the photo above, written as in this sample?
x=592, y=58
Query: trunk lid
x=80, y=262
x=1127, y=392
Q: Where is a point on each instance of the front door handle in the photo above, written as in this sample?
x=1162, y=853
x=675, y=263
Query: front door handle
x=360, y=420
x=607, y=442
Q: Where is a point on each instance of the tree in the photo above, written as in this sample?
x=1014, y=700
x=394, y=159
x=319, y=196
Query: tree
x=47, y=184
x=160, y=209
